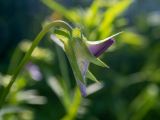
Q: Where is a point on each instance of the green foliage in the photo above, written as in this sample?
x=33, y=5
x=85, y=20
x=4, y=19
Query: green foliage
x=128, y=90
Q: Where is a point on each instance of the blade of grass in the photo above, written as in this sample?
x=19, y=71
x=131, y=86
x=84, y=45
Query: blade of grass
x=69, y=14
x=106, y=25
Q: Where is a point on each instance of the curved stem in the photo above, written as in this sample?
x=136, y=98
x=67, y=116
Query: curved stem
x=57, y=23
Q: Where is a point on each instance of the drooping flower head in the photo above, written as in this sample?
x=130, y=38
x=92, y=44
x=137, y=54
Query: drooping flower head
x=81, y=53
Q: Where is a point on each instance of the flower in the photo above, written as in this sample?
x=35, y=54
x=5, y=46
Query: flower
x=81, y=53
x=98, y=48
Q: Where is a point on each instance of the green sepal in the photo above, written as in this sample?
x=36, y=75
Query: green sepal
x=102, y=63
x=61, y=32
x=71, y=53
x=91, y=76
x=62, y=36
x=68, y=42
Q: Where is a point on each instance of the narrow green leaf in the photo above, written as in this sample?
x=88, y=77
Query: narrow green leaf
x=110, y=15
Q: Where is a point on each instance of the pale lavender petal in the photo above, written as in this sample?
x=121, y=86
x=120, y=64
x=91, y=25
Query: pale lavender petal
x=84, y=68
x=82, y=88
x=34, y=71
x=98, y=49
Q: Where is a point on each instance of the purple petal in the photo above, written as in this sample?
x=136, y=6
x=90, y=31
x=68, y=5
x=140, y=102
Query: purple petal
x=98, y=48
x=82, y=88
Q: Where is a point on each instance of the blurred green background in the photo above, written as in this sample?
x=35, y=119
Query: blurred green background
x=45, y=89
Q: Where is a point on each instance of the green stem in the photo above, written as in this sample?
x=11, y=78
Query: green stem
x=74, y=106
x=26, y=58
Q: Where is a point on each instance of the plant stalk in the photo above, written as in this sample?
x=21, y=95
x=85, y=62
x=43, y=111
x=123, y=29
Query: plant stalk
x=57, y=23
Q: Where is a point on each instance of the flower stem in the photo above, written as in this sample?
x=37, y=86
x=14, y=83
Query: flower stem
x=27, y=56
